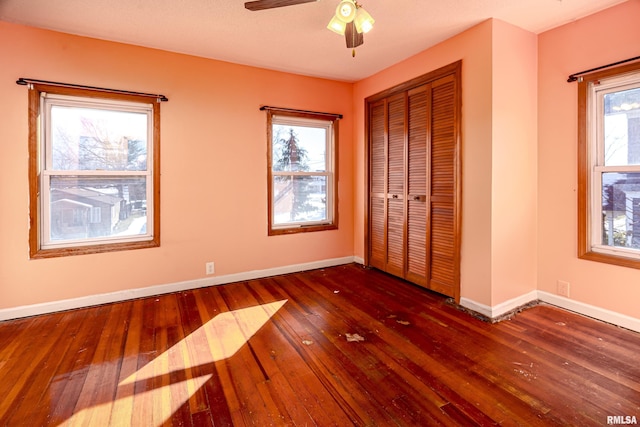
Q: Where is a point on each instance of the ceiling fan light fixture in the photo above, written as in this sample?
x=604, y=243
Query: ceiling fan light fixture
x=363, y=20
x=346, y=11
x=337, y=26
x=352, y=21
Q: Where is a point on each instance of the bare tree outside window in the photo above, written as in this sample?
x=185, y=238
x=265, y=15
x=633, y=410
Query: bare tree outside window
x=292, y=157
x=87, y=139
x=301, y=172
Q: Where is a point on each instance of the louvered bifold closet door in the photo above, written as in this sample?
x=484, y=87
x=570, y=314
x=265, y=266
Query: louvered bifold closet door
x=414, y=181
x=444, y=259
x=418, y=114
x=396, y=146
x=378, y=192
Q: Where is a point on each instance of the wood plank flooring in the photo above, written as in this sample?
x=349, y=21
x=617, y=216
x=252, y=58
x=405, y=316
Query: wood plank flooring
x=338, y=346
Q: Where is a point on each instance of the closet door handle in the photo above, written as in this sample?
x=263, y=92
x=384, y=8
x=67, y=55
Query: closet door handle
x=395, y=196
x=421, y=198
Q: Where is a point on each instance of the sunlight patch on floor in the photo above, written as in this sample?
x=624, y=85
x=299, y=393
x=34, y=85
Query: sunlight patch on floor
x=218, y=339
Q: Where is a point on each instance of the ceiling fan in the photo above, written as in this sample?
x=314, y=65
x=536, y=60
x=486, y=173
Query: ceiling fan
x=270, y=4
x=350, y=19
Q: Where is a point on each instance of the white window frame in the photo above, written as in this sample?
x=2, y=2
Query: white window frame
x=329, y=124
x=48, y=102
x=592, y=90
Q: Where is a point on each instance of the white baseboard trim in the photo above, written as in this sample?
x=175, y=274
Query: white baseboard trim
x=598, y=313
x=589, y=310
x=494, y=312
x=500, y=309
x=92, y=300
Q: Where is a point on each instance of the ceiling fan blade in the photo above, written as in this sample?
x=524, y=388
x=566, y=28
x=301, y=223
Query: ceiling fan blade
x=270, y=4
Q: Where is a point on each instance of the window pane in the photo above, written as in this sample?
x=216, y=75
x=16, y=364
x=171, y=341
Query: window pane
x=98, y=139
x=622, y=128
x=621, y=209
x=299, y=148
x=97, y=207
x=299, y=199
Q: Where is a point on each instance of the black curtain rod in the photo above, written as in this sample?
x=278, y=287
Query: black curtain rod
x=24, y=82
x=574, y=77
x=292, y=110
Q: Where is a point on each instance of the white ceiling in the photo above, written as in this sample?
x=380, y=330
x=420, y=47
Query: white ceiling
x=294, y=38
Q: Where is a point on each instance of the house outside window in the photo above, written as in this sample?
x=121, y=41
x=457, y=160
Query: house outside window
x=302, y=165
x=94, y=171
x=609, y=166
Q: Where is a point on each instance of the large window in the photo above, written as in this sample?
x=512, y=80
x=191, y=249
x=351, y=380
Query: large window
x=302, y=172
x=94, y=171
x=609, y=169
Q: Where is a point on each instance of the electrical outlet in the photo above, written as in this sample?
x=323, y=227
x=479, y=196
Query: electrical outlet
x=562, y=288
x=210, y=267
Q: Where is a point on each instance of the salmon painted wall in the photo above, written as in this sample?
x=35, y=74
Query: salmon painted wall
x=514, y=162
x=609, y=36
x=213, y=194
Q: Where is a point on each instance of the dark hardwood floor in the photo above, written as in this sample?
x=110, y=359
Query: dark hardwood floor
x=337, y=346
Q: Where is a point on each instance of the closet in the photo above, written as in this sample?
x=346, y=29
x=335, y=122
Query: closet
x=414, y=182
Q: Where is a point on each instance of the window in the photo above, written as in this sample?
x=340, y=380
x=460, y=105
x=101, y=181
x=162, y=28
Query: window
x=93, y=171
x=302, y=165
x=609, y=166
